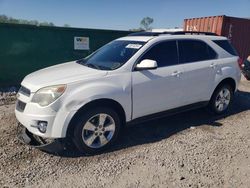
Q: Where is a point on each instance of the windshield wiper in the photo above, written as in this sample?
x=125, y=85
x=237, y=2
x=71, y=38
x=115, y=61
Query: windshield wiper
x=81, y=61
x=92, y=66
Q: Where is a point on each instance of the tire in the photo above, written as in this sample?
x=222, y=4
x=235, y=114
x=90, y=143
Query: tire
x=221, y=99
x=96, y=130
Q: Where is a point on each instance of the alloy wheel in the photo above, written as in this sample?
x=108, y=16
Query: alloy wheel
x=98, y=130
x=223, y=99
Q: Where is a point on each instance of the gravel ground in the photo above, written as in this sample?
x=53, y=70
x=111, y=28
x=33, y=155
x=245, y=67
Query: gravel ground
x=7, y=97
x=192, y=149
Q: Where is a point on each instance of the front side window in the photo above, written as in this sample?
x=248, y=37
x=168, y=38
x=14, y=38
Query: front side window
x=112, y=55
x=195, y=50
x=164, y=53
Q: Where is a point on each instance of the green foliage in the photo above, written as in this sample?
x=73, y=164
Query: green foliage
x=145, y=25
x=46, y=24
x=66, y=25
x=136, y=29
x=146, y=22
x=6, y=19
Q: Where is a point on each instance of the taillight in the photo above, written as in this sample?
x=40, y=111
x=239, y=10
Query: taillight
x=240, y=63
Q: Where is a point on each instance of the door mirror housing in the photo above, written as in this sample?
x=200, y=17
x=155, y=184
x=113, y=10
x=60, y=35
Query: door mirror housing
x=146, y=64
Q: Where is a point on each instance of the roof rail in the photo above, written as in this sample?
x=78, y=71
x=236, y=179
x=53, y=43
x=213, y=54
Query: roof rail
x=145, y=33
x=148, y=33
x=194, y=33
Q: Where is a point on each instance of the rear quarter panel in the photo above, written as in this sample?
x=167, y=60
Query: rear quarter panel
x=228, y=68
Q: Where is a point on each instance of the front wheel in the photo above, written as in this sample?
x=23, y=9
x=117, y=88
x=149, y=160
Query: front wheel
x=96, y=130
x=221, y=99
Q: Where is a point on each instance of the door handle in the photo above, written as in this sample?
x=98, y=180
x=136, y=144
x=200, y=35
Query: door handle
x=176, y=73
x=213, y=65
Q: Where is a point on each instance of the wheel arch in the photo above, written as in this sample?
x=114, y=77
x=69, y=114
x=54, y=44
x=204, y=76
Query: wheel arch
x=229, y=81
x=110, y=103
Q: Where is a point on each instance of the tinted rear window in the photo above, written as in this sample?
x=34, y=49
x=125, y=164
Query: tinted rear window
x=226, y=45
x=195, y=50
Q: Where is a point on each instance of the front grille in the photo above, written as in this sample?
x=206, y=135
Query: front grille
x=23, y=90
x=20, y=106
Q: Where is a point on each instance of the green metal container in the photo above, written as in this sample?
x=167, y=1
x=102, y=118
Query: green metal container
x=26, y=48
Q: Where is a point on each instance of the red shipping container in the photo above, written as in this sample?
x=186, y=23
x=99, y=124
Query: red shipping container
x=235, y=29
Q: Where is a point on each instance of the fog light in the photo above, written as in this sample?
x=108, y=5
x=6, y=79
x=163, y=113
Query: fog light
x=42, y=126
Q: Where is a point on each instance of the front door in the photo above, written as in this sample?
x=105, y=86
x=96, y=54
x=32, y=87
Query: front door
x=160, y=89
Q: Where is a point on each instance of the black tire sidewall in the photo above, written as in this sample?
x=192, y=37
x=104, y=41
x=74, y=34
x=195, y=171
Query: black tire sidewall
x=213, y=99
x=83, y=118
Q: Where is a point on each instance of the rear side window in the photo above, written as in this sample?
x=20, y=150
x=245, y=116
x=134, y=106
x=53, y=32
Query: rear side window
x=164, y=53
x=226, y=45
x=195, y=50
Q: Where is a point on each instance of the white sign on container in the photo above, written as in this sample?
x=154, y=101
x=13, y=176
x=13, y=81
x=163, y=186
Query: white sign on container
x=81, y=43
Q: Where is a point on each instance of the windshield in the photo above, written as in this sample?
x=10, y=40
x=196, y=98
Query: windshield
x=113, y=55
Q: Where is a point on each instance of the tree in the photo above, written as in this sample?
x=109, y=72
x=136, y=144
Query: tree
x=136, y=29
x=66, y=25
x=46, y=24
x=3, y=19
x=146, y=22
x=6, y=19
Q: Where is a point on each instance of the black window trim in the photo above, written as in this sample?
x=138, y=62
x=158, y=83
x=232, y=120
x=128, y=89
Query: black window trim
x=216, y=57
x=153, y=45
x=178, y=52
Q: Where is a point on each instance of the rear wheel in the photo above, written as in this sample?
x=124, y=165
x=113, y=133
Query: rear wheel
x=221, y=99
x=96, y=130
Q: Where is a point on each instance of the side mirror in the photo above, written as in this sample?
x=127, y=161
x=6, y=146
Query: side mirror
x=146, y=64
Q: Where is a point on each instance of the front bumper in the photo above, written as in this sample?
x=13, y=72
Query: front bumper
x=30, y=114
x=30, y=121
x=50, y=146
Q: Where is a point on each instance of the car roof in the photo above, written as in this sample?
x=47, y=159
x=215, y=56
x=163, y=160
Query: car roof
x=211, y=37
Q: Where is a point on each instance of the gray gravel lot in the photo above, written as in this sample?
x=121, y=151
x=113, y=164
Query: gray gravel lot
x=192, y=149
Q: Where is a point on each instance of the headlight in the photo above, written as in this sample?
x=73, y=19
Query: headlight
x=47, y=95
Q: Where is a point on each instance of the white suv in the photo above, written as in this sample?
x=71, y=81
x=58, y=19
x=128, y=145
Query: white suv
x=128, y=80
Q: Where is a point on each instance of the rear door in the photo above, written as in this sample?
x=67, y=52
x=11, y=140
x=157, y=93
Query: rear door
x=200, y=67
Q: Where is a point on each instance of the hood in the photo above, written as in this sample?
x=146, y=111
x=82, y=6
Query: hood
x=60, y=74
